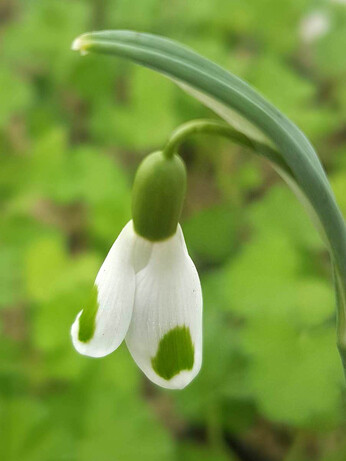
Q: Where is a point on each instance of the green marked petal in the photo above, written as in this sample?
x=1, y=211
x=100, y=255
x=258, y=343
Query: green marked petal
x=175, y=353
x=103, y=323
x=87, y=319
x=165, y=332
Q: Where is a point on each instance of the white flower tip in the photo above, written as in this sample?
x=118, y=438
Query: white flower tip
x=180, y=380
x=86, y=348
x=81, y=347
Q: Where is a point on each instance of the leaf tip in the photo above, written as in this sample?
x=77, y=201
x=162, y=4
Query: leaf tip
x=79, y=45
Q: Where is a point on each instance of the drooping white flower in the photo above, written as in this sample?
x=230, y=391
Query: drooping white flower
x=148, y=292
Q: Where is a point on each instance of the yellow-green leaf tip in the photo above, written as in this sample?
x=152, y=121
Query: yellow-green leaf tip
x=78, y=45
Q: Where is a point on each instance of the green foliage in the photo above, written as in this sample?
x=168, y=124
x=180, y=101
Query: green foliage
x=69, y=149
x=211, y=234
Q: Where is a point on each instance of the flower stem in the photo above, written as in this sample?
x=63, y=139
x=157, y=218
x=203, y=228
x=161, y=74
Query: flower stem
x=202, y=127
x=218, y=128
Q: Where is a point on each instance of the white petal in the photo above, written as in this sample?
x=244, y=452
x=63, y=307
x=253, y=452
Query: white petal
x=115, y=284
x=167, y=316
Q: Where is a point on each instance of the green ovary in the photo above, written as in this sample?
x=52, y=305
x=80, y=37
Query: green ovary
x=175, y=353
x=87, y=319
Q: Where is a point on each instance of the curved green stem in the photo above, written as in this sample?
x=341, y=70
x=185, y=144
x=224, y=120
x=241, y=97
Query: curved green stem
x=202, y=127
x=219, y=128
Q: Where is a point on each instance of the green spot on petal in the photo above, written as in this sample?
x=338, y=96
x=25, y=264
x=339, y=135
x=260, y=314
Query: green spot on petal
x=175, y=353
x=87, y=319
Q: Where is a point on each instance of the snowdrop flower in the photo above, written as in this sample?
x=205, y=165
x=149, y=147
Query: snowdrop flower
x=147, y=291
x=314, y=26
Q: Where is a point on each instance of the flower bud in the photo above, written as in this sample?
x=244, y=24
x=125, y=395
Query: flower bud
x=157, y=197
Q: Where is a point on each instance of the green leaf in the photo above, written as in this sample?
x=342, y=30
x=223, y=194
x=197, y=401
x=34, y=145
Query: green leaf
x=15, y=96
x=289, y=220
x=50, y=272
x=120, y=425
x=338, y=183
x=150, y=105
x=45, y=264
x=196, y=452
x=298, y=98
x=294, y=375
x=329, y=50
x=11, y=277
x=211, y=234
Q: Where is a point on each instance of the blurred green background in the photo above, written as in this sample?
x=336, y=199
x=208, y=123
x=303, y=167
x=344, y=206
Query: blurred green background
x=72, y=132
